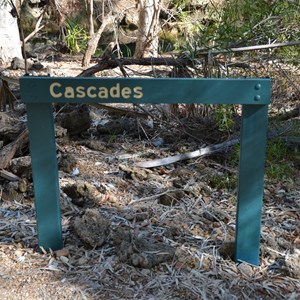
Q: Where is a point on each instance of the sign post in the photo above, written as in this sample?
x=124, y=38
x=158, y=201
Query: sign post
x=253, y=94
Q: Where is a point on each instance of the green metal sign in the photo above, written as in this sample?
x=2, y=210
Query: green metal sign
x=253, y=94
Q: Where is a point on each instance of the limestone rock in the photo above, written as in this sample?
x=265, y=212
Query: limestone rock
x=141, y=252
x=92, y=228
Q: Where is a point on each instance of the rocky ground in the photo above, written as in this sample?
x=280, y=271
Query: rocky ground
x=134, y=233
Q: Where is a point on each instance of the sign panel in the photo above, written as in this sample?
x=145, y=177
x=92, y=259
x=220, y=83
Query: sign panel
x=145, y=90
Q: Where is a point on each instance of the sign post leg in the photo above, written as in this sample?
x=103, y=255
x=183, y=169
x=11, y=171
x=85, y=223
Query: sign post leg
x=251, y=182
x=45, y=174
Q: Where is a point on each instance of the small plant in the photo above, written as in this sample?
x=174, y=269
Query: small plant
x=76, y=37
x=226, y=181
x=112, y=138
x=224, y=117
x=235, y=155
x=277, y=166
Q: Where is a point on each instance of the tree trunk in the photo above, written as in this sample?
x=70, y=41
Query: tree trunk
x=10, y=44
x=93, y=42
x=91, y=18
x=147, y=41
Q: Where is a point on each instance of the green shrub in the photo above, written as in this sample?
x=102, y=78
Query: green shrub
x=224, y=117
x=240, y=23
x=76, y=36
x=226, y=181
x=278, y=161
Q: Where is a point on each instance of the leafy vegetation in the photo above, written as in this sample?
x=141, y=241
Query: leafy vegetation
x=239, y=23
x=281, y=163
x=76, y=37
x=224, y=117
x=279, y=159
x=223, y=181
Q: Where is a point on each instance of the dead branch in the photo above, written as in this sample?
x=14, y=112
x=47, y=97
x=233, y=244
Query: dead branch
x=8, y=152
x=36, y=29
x=111, y=63
x=294, y=113
x=189, y=155
x=251, y=48
x=9, y=176
x=120, y=111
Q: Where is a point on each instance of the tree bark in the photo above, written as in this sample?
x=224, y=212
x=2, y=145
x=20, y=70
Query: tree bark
x=91, y=17
x=93, y=42
x=10, y=44
x=147, y=40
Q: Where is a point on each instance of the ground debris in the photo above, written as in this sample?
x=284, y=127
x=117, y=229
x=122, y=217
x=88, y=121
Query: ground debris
x=92, y=228
x=141, y=252
x=130, y=245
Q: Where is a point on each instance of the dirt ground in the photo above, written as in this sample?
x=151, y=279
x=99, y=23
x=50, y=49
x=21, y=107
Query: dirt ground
x=136, y=233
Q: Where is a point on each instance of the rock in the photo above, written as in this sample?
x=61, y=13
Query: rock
x=21, y=166
x=17, y=63
x=94, y=144
x=182, y=173
x=61, y=135
x=137, y=174
x=11, y=191
x=171, y=198
x=9, y=127
x=141, y=252
x=82, y=193
x=292, y=264
x=64, y=259
x=245, y=269
x=92, y=228
x=23, y=185
x=19, y=236
x=67, y=163
x=227, y=250
x=182, y=176
x=62, y=252
x=37, y=66
x=75, y=118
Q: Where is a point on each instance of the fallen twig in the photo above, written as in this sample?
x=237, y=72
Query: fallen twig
x=251, y=48
x=172, y=159
x=8, y=175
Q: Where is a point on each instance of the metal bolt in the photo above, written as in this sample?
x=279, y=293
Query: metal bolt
x=257, y=86
x=257, y=98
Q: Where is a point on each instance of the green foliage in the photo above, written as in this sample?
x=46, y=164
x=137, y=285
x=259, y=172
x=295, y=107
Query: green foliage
x=240, y=23
x=76, y=36
x=235, y=155
x=224, y=181
x=279, y=161
x=223, y=117
x=128, y=51
x=248, y=22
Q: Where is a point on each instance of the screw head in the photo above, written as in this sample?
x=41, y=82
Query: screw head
x=258, y=86
x=257, y=98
